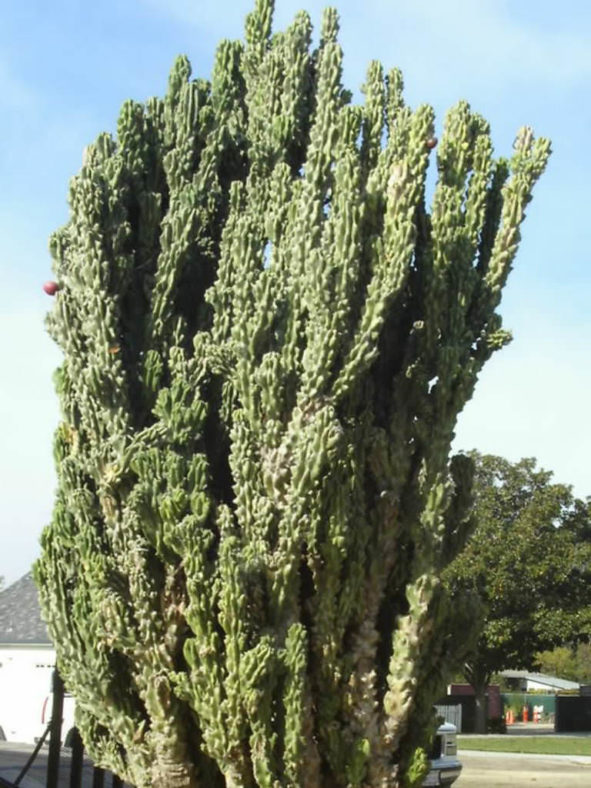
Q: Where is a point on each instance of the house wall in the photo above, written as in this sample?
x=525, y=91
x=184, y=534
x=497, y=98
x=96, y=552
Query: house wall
x=25, y=682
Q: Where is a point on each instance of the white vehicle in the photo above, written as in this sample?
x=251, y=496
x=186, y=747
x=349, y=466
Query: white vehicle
x=67, y=717
x=445, y=767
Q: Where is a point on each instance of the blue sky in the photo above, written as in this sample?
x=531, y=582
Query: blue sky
x=65, y=69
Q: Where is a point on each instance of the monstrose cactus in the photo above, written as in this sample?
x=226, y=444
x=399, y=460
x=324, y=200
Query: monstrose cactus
x=267, y=339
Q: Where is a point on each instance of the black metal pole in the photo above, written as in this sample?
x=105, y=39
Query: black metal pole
x=76, y=764
x=98, y=777
x=27, y=765
x=55, y=731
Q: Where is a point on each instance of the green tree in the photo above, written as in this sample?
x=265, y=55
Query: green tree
x=526, y=568
x=570, y=661
x=267, y=340
x=559, y=661
x=582, y=654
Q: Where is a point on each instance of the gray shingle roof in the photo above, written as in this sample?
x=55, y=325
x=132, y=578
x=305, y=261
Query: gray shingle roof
x=20, y=616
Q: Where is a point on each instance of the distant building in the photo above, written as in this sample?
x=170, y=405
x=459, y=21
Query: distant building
x=27, y=658
x=459, y=706
x=524, y=681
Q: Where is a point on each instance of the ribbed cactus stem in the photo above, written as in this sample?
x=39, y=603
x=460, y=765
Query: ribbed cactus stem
x=268, y=336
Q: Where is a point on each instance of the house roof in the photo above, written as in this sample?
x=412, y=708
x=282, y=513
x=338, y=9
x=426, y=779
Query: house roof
x=541, y=678
x=20, y=615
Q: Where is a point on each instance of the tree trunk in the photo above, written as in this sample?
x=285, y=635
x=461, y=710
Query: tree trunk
x=481, y=708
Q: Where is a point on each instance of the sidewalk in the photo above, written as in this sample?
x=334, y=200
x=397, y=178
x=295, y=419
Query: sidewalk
x=499, y=770
x=533, y=756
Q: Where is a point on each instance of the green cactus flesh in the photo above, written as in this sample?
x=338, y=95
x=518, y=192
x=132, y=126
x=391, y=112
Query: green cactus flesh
x=267, y=340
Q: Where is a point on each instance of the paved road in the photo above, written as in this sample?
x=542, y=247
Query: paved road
x=499, y=770
x=14, y=756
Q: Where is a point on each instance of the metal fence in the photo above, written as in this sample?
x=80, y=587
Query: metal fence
x=517, y=701
x=55, y=756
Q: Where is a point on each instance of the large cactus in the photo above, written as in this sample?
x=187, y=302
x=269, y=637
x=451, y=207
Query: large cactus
x=267, y=341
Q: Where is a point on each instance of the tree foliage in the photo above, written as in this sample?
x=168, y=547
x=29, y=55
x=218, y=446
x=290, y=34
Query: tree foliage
x=528, y=564
x=571, y=661
x=267, y=340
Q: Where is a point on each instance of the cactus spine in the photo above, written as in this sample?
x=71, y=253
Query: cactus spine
x=267, y=339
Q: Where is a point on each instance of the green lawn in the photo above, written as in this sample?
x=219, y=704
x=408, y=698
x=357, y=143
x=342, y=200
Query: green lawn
x=545, y=745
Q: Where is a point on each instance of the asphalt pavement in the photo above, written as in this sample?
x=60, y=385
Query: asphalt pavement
x=13, y=757
x=502, y=769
